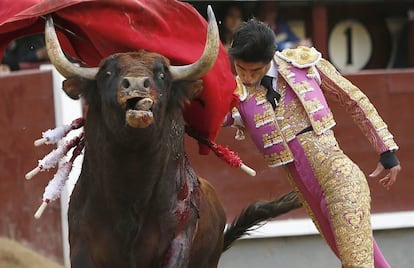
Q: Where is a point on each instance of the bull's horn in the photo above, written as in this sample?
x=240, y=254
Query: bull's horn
x=58, y=59
x=199, y=68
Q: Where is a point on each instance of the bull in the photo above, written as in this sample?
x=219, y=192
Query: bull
x=138, y=202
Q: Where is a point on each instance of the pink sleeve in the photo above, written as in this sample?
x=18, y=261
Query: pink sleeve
x=357, y=105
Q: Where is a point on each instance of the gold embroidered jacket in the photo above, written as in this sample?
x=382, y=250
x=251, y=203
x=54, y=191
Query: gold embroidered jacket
x=303, y=79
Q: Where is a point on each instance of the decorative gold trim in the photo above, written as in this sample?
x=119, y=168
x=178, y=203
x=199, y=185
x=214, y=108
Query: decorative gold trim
x=326, y=123
x=310, y=106
x=363, y=112
x=313, y=105
x=303, y=87
x=297, y=116
x=284, y=157
x=261, y=119
x=301, y=57
x=272, y=138
x=313, y=73
x=241, y=90
x=347, y=196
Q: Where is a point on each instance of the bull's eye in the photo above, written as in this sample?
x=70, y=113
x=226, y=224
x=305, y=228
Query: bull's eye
x=161, y=76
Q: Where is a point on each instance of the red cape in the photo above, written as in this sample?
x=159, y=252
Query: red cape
x=104, y=27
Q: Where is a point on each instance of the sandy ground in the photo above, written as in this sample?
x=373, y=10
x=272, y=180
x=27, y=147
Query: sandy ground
x=14, y=255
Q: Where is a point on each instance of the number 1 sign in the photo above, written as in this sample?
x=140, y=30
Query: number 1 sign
x=349, y=46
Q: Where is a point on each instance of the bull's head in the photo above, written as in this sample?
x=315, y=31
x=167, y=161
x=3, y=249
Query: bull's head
x=140, y=78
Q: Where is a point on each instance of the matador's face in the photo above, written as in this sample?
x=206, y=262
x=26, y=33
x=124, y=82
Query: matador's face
x=251, y=73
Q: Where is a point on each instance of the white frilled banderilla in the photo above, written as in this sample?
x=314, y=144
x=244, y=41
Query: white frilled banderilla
x=57, y=158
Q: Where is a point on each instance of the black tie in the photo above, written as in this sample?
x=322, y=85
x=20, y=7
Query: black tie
x=272, y=96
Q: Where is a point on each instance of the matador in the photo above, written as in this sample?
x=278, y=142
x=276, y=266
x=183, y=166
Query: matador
x=289, y=121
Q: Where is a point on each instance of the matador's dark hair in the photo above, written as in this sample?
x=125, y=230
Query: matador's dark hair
x=253, y=41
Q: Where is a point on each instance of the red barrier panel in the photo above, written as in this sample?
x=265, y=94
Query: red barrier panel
x=26, y=109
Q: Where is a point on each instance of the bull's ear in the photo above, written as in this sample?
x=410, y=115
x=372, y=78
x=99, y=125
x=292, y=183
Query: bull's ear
x=186, y=91
x=75, y=86
x=193, y=88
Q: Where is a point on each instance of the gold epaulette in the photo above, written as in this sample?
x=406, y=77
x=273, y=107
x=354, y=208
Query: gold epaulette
x=240, y=90
x=300, y=57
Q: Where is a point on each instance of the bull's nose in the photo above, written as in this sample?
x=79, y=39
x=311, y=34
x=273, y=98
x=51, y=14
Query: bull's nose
x=136, y=83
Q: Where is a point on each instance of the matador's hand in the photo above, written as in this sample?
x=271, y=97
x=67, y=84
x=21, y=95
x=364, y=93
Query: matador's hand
x=390, y=178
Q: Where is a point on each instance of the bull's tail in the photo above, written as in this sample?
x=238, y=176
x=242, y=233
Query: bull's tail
x=256, y=213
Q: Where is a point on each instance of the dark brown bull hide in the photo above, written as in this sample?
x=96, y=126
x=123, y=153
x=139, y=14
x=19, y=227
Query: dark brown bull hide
x=137, y=201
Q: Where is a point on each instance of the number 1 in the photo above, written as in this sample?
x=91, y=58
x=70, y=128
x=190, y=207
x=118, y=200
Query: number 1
x=348, y=33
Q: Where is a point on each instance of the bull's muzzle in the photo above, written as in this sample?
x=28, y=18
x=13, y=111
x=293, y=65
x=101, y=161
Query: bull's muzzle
x=136, y=84
x=135, y=97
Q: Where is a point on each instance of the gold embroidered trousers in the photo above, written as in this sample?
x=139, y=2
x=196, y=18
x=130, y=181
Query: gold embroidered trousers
x=336, y=195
